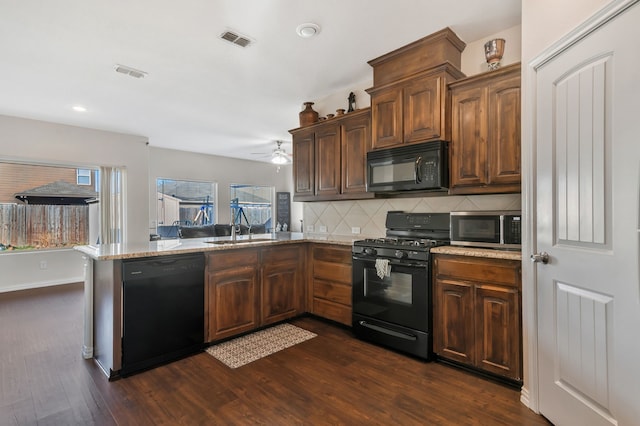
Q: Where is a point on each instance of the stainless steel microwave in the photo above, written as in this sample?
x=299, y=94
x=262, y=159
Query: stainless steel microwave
x=418, y=167
x=498, y=229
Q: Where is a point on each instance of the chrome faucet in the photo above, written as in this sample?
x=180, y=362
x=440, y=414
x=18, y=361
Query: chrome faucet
x=233, y=228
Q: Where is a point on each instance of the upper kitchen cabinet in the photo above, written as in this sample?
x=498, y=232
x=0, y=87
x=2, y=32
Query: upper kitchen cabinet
x=485, y=134
x=409, y=100
x=329, y=158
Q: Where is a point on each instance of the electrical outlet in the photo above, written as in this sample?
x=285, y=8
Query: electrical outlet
x=322, y=228
x=309, y=228
x=355, y=229
x=43, y=264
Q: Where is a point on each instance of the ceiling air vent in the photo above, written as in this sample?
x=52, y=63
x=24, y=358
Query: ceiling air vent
x=235, y=38
x=132, y=72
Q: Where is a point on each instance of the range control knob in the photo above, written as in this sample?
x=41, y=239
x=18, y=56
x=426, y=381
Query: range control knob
x=370, y=251
x=401, y=254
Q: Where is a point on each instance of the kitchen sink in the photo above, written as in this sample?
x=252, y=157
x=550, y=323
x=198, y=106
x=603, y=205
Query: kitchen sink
x=243, y=241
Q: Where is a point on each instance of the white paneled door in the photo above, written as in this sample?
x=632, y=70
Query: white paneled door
x=587, y=220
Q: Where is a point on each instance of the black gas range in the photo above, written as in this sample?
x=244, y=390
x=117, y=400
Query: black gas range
x=392, y=282
x=408, y=236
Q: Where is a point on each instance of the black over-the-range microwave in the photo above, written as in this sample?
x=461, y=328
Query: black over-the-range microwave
x=497, y=229
x=418, y=167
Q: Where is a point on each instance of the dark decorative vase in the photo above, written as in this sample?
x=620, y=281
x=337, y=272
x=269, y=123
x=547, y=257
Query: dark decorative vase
x=308, y=115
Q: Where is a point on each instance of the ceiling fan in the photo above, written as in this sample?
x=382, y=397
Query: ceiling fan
x=278, y=156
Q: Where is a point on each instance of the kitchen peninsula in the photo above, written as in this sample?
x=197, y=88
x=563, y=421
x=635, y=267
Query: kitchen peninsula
x=241, y=284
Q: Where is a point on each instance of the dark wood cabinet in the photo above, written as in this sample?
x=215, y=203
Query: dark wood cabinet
x=386, y=115
x=304, y=180
x=252, y=287
x=330, y=282
x=485, y=134
x=282, y=283
x=327, y=163
x=477, y=313
x=233, y=280
x=455, y=335
x=329, y=158
x=413, y=110
x=356, y=141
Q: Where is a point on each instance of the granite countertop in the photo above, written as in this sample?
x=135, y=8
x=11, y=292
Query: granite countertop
x=478, y=252
x=197, y=245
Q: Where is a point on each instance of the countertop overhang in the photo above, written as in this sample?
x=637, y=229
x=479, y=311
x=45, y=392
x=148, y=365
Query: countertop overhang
x=198, y=245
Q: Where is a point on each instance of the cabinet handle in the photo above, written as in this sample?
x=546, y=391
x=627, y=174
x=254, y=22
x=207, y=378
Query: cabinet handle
x=417, y=167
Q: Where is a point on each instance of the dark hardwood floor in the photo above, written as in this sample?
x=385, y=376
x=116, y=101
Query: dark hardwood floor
x=332, y=379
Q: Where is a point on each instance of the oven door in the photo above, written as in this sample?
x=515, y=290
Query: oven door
x=402, y=298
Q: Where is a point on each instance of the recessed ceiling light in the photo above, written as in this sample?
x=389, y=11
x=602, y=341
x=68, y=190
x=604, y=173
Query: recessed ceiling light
x=307, y=30
x=79, y=108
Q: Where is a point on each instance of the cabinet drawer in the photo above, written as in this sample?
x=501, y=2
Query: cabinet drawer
x=334, y=272
x=281, y=254
x=332, y=254
x=339, y=293
x=499, y=271
x=332, y=311
x=232, y=258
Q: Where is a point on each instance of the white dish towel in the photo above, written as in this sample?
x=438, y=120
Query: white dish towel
x=383, y=268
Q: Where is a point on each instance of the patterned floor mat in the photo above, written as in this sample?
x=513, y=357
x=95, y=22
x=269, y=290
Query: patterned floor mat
x=243, y=350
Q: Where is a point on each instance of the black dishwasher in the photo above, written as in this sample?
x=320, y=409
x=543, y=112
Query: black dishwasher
x=162, y=310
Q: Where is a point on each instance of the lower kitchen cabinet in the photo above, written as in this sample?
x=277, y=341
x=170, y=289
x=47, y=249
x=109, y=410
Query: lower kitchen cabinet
x=233, y=286
x=282, y=283
x=330, y=282
x=477, y=313
x=253, y=287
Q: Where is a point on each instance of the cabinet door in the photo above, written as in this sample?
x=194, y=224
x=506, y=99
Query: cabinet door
x=498, y=330
x=303, y=165
x=386, y=116
x=233, y=297
x=328, y=160
x=469, y=137
x=504, y=132
x=453, y=321
x=356, y=141
x=282, y=283
x=423, y=109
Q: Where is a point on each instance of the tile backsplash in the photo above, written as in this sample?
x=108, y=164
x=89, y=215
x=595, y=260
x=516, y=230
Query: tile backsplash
x=368, y=216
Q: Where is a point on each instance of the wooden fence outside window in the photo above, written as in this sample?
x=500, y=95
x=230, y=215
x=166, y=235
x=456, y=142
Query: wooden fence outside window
x=43, y=226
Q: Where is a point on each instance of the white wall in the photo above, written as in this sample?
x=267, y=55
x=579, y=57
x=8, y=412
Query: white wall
x=473, y=59
x=49, y=143
x=167, y=163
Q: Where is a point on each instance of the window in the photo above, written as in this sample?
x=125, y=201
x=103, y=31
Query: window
x=252, y=205
x=44, y=207
x=83, y=177
x=184, y=203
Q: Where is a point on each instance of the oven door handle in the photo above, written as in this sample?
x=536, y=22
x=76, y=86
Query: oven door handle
x=391, y=262
x=388, y=331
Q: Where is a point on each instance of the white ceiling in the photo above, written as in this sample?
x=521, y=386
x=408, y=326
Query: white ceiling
x=201, y=93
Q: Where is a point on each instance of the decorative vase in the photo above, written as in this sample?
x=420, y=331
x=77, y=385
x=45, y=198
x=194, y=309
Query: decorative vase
x=493, y=51
x=330, y=116
x=308, y=115
x=340, y=111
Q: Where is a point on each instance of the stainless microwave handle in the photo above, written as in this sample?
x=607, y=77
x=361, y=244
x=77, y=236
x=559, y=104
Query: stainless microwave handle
x=501, y=229
x=417, y=169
